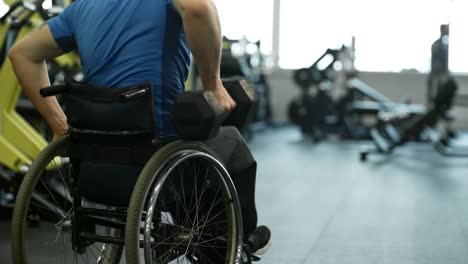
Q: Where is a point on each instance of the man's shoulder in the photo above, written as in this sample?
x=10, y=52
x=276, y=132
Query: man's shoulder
x=436, y=44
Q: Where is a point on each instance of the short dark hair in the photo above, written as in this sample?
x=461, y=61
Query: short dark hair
x=444, y=28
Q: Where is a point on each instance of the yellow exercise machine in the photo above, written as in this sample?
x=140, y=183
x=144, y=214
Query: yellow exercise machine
x=19, y=142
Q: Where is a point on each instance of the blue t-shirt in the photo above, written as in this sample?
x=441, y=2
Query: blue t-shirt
x=128, y=42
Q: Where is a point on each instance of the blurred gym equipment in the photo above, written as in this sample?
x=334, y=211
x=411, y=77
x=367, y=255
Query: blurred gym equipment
x=241, y=58
x=333, y=100
x=398, y=126
x=23, y=132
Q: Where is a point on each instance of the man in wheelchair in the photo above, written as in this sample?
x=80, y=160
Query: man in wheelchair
x=183, y=193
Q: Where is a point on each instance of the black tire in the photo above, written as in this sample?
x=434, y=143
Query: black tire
x=44, y=192
x=154, y=201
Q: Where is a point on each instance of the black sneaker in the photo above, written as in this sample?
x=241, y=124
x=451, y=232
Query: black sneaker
x=259, y=240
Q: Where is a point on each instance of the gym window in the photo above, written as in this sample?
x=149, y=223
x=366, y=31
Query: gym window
x=391, y=35
x=458, y=37
x=308, y=28
x=3, y=8
x=252, y=19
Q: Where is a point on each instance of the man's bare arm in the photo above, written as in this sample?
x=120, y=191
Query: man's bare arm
x=203, y=31
x=28, y=57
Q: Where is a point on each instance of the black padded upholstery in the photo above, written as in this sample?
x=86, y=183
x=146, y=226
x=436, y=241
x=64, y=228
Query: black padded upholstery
x=112, y=131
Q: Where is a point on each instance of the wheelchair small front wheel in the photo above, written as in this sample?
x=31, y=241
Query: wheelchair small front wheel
x=184, y=209
x=45, y=197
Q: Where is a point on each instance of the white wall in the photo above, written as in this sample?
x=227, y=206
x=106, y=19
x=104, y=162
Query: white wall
x=397, y=86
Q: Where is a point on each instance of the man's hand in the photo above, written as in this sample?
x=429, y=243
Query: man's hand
x=223, y=97
x=60, y=128
x=58, y=136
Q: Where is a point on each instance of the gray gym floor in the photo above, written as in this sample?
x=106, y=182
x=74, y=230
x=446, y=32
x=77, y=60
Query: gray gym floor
x=324, y=206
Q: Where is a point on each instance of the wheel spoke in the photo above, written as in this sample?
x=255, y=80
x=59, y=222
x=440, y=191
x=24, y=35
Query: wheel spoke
x=50, y=193
x=85, y=261
x=201, y=195
x=51, y=201
x=90, y=249
x=66, y=184
x=212, y=239
x=166, y=239
x=210, y=246
x=192, y=193
x=47, y=205
x=216, y=223
x=168, y=253
x=209, y=211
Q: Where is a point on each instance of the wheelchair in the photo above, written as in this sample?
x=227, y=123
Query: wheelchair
x=111, y=192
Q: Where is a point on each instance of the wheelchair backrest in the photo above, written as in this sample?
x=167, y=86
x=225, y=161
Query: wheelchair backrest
x=112, y=135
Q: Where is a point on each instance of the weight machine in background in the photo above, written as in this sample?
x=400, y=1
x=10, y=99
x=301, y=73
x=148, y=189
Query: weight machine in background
x=397, y=126
x=358, y=111
x=333, y=100
x=20, y=142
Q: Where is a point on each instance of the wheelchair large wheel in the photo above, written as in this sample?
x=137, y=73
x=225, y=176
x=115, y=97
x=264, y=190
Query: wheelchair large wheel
x=43, y=215
x=184, y=209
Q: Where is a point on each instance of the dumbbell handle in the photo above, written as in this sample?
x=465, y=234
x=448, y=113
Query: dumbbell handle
x=215, y=104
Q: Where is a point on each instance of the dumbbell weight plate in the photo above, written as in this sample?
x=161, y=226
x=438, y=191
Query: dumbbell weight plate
x=197, y=115
x=245, y=97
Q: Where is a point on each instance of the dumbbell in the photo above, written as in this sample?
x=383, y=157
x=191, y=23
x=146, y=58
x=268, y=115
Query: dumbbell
x=198, y=115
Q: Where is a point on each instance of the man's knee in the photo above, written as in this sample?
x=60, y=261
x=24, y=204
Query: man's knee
x=232, y=149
